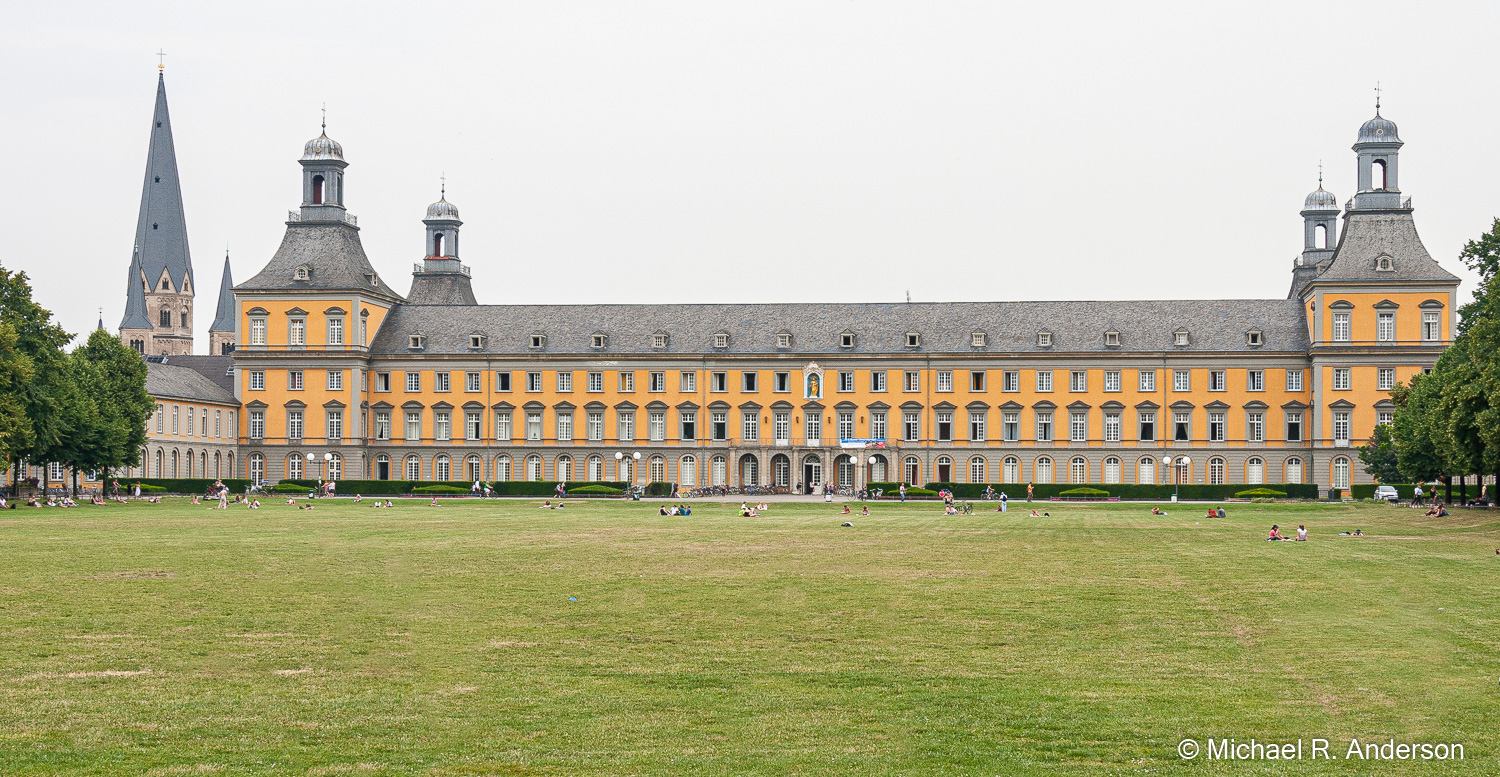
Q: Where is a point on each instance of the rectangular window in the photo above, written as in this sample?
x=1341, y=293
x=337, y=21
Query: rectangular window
x=1341, y=327
x=656, y=382
x=877, y=424
x=1385, y=417
x=781, y=427
x=749, y=381
x=1111, y=427
x=257, y=331
x=625, y=424
x=1430, y=326
x=1294, y=380
x=1385, y=378
x=1147, y=421
x=1216, y=430
x=534, y=425
x=502, y=381
x=1146, y=380
x=335, y=426
x=335, y=380
x=257, y=381
x=1111, y=380
x=190, y=420
x=846, y=381
x=1182, y=380
x=945, y=381
x=413, y=382
x=382, y=424
x=1044, y=380
x=846, y=425
x=257, y=424
x=565, y=382
x=687, y=382
x=911, y=426
x=911, y=380
x=813, y=422
x=294, y=424
x=414, y=425
x=687, y=424
x=656, y=425
x=1294, y=427
x=1078, y=380
x=534, y=382
x=750, y=425
x=297, y=331
x=294, y=380
x=442, y=381
x=595, y=429
x=627, y=381
x=335, y=331
x=1385, y=327
x=977, y=419
x=1044, y=426
x=1078, y=426
x=218, y=419
x=976, y=380
x=502, y=426
x=1182, y=427
x=1255, y=426
x=471, y=382
x=718, y=382
x=1010, y=381
x=595, y=382
x=781, y=382
x=1217, y=381
x=1341, y=426
x=1255, y=380
x=718, y=425
x=877, y=380
x=472, y=428
x=1010, y=426
x=564, y=427
x=1341, y=381
x=944, y=425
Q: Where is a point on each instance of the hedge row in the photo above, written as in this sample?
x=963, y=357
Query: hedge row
x=498, y=488
x=658, y=488
x=181, y=485
x=1196, y=491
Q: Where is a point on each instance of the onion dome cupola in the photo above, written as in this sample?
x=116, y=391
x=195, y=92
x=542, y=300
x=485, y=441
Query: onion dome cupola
x=442, y=228
x=441, y=279
x=323, y=179
x=1377, y=148
x=1320, y=220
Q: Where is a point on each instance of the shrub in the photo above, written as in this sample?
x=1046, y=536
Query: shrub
x=290, y=488
x=497, y=487
x=181, y=485
x=441, y=490
x=659, y=488
x=594, y=490
x=1084, y=492
x=1151, y=491
x=146, y=488
x=1254, y=492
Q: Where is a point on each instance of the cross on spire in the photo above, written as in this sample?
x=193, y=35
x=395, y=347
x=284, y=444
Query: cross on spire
x=161, y=59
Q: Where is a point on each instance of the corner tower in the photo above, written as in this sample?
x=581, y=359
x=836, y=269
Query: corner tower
x=159, y=296
x=441, y=279
x=1320, y=218
x=221, y=338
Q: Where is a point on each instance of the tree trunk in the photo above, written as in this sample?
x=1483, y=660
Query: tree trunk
x=1463, y=489
x=1448, y=489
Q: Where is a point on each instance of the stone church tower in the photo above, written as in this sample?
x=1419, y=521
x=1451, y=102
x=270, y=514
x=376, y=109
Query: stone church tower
x=159, y=290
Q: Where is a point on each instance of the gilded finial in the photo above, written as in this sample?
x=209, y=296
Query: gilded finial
x=161, y=60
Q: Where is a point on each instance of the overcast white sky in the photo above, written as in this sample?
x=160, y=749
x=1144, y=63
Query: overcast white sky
x=747, y=152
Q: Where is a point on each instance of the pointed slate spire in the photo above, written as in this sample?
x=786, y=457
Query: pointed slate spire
x=224, y=317
x=135, y=297
x=161, y=230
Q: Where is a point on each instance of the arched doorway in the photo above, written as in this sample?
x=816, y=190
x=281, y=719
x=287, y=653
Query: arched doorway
x=878, y=468
x=749, y=470
x=812, y=473
x=944, y=469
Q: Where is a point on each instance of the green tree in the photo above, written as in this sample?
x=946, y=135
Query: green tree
x=115, y=377
x=41, y=342
x=1418, y=455
x=1379, y=455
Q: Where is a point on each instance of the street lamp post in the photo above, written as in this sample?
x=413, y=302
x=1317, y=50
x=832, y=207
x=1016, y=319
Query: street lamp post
x=310, y=460
x=327, y=461
x=635, y=460
x=1168, y=461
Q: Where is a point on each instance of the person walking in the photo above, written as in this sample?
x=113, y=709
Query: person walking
x=1003, y=500
x=1030, y=489
x=1416, y=497
x=903, y=492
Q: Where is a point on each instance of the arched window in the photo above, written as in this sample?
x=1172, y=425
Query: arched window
x=719, y=471
x=658, y=469
x=1216, y=471
x=564, y=468
x=596, y=468
x=976, y=469
x=843, y=470
x=203, y=462
x=1078, y=470
x=625, y=470
x=781, y=470
x=294, y=466
x=1043, y=469
x=1294, y=470
x=437, y=244
x=382, y=467
x=218, y=464
x=502, y=468
x=1377, y=177
x=189, y=472
x=336, y=467
x=533, y=467
x=944, y=470
x=472, y=468
x=443, y=467
x=174, y=464
x=1012, y=470
x=877, y=468
x=749, y=470
x=229, y=464
x=1320, y=236
x=257, y=468
x=414, y=467
x=1341, y=472
x=1255, y=471
x=317, y=190
x=911, y=471
x=1111, y=470
x=687, y=471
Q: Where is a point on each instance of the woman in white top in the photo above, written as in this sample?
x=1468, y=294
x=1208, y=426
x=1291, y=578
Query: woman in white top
x=1301, y=533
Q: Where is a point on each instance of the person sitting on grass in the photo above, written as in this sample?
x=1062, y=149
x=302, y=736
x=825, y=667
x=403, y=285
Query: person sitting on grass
x=358, y=499
x=1275, y=535
x=291, y=500
x=949, y=510
x=434, y=503
x=308, y=506
x=681, y=510
x=95, y=500
x=864, y=510
x=1035, y=514
x=1155, y=510
x=254, y=504
x=33, y=503
x=1301, y=533
x=845, y=511
x=546, y=505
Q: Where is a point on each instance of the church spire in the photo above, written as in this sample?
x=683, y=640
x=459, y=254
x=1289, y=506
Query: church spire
x=221, y=331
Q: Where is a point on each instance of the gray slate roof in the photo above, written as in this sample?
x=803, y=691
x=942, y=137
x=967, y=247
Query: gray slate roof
x=161, y=228
x=224, y=317
x=332, y=252
x=135, y=297
x=1393, y=233
x=188, y=377
x=881, y=327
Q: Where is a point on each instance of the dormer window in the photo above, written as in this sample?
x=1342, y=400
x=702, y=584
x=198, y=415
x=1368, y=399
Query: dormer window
x=1253, y=337
x=476, y=342
x=415, y=342
x=846, y=340
x=721, y=339
x=979, y=339
x=1112, y=339
x=783, y=340
x=301, y=273
x=598, y=341
x=372, y=278
x=1044, y=339
x=913, y=340
x=1180, y=338
x=659, y=340
x=1384, y=264
x=538, y=341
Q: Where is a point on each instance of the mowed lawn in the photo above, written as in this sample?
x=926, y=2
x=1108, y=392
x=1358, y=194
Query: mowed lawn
x=497, y=638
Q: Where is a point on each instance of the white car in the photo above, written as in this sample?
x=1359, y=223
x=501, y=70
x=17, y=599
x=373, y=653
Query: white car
x=1387, y=493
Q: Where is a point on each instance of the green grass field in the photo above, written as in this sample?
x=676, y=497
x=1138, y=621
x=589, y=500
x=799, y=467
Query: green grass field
x=171, y=639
